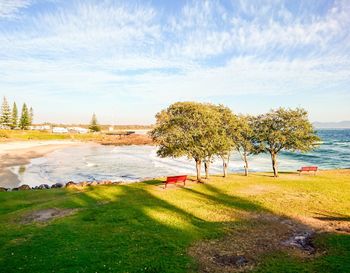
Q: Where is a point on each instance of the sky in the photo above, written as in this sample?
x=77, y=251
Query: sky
x=127, y=60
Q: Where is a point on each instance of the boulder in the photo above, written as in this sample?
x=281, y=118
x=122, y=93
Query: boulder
x=43, y=186
x=56, y=185
x=3, y=189
x=71, y=184
x=23, y=187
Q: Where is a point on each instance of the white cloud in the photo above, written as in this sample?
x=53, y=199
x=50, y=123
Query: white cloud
x=111, y=49
x=11, y=8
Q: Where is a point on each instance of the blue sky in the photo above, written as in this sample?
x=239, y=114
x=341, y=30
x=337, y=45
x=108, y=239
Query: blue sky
x=126, y=60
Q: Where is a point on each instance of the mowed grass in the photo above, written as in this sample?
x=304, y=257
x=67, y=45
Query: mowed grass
x=21, y=135
x=143, y=228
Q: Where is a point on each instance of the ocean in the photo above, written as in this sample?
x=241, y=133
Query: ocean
x=134, y=163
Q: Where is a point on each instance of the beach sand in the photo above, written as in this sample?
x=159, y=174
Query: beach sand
x=20, y=153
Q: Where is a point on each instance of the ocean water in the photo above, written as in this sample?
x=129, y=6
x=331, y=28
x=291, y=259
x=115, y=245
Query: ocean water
x=134, y=163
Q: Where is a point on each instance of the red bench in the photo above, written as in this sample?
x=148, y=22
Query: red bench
x=175, y=179
x=308, y=169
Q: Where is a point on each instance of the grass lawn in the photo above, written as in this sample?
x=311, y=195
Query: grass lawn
x=143, y=228
x=24, y=135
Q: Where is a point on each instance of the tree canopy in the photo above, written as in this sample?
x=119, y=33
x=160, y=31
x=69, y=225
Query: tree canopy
x=284, y=129
x=188, y=129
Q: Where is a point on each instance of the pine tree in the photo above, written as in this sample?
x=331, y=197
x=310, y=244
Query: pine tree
x=94, y=124
x=14, y=116
x=31, y=115
x=25, y=119
x=5, y=114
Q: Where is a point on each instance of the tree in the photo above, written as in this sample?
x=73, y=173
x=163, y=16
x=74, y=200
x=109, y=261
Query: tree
x=94, y=126
x=5, y=118
x=31, y=116
x=25, y=119
x=245, y=139
x=227, y=131
x=14, y=123
x=285, y=129
x=186, y=129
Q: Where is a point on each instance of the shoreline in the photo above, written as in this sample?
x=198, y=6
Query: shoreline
x=17, y=153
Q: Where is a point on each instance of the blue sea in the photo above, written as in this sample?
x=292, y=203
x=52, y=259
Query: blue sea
x=91, y=162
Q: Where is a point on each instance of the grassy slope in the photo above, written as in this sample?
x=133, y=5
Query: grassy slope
x=142, y=228
x=18, y=135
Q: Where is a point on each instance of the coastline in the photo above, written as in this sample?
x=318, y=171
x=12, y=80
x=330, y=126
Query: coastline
x=17, y=153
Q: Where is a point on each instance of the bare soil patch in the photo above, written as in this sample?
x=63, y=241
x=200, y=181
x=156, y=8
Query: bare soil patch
x=246, y=243
x=46, y=215
x=258, y=189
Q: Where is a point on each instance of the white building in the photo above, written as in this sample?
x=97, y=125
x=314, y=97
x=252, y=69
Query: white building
x=78, y=130
x=59, y=130
x=40, y=127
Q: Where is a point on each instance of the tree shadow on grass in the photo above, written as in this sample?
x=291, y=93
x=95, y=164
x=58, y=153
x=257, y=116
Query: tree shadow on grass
x=135, y=231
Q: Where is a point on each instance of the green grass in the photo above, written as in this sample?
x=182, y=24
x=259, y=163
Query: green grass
x=142, y=228
x=44, y=135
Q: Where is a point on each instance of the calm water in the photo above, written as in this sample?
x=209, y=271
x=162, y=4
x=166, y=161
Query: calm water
x=132, y=163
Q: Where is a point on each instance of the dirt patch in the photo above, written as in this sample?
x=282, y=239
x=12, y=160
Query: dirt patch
x=258, y=189
x=332, y=224
x=245, y=244
x=46, y=215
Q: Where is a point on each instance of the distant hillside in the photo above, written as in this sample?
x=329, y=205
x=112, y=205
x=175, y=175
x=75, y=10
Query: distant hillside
x=334, y=125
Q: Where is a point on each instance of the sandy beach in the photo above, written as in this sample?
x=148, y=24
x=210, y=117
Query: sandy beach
x=21, y=152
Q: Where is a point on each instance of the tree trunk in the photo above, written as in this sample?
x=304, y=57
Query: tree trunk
x=198, y=169
x=206, y=167
x=274, y=164
x=245, y=164
x=225, y=164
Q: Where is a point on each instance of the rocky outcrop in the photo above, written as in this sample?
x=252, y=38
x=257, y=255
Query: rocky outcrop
x=56, y=185
x=71, y=184
x=23, y=187
x=68, y=185
x=43, y=186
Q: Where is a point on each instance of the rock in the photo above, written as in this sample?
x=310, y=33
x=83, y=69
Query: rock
x=56, y=185
x=3, y=189
x=43, y=186
x=302, y=241
x=94, y=183
x=71, y=184
x=23, y=187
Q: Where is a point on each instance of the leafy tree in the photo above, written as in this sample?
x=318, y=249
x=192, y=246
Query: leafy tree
x=186, y=129
x=227, y=131
x=94, y=126
x=5, y=118
x=285, y=129
x=25, y=119
x=245, y=139
x=14, y=123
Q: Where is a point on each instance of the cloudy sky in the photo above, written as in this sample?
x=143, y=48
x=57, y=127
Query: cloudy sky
x=126, y=60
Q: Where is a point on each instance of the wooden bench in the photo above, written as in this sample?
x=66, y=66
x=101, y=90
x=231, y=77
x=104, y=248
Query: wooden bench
x=308, y=169
x=175, y=179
